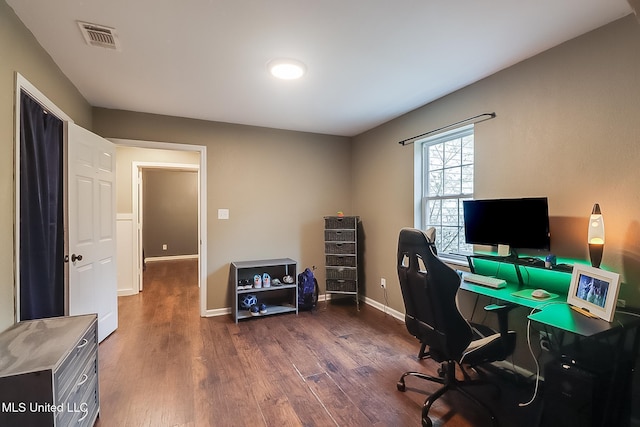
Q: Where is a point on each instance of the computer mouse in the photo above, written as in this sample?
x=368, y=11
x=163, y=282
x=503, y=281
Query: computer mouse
x=540, y=293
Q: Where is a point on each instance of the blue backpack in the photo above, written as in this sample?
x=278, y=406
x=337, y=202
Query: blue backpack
x=307, y=290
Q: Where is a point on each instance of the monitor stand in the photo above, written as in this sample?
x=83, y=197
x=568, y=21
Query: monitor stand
x=517, y=262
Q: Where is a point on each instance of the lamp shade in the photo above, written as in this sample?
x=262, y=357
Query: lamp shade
x=595, y=237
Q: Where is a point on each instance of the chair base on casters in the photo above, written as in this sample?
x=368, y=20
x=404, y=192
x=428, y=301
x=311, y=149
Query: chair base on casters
x=449, y=382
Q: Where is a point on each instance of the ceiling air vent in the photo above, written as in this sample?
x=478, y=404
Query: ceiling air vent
x=99, y=35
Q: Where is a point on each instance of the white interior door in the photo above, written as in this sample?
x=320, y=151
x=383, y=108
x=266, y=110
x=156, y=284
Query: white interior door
x=92, y=227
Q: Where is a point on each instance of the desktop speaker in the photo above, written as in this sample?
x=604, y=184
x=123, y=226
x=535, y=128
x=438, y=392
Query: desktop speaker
x=570, y=396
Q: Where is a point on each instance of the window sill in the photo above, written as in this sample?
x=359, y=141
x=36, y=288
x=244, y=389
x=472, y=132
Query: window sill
x=456, y=262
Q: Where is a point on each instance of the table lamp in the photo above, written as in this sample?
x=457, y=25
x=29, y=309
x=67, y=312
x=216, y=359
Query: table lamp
x=596, y=236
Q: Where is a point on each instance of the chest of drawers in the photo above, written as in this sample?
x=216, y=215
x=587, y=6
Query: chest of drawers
x=341, y=255
x=49, y=372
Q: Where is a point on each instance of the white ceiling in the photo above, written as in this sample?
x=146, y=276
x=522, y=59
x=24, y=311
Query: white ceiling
x=368, y=60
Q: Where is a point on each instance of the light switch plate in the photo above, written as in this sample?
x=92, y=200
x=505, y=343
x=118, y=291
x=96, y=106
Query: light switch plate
x=223, y=213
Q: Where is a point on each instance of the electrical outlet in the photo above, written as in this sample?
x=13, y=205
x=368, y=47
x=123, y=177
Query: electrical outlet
x=164, y=247
x=383, y=283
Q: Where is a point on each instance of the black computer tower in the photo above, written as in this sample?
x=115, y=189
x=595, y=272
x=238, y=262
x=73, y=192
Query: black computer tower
x=571, y=396
x=586, y=395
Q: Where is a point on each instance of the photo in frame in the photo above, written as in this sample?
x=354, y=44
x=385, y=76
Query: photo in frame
x=594, y=290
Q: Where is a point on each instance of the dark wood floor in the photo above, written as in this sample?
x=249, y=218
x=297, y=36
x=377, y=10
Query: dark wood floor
x=166, y=366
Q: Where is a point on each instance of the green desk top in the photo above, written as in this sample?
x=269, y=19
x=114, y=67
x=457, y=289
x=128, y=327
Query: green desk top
x=563, y=317
x=512, y=294
x=553, y=311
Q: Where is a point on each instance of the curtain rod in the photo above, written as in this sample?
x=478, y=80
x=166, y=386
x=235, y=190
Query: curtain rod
x=487, y=116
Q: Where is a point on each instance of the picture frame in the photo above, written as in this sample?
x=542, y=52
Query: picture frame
x=594, y=290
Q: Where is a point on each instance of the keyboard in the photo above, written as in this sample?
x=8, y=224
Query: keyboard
x=479, y=279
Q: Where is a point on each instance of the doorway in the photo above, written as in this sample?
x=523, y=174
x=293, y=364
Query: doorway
x=39, y=205
x=74, y=190
x=41, y=212
x=146, y=155
x=167, y=213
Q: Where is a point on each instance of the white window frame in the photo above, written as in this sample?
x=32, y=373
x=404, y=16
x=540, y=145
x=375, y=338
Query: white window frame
x=421, y=176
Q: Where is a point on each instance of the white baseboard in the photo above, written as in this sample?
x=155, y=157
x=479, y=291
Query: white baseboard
x=508, y=366
x=218, y=312
x=170, y=258
x=383, y=308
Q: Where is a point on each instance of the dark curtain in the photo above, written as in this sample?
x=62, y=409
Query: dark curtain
x=41, y=213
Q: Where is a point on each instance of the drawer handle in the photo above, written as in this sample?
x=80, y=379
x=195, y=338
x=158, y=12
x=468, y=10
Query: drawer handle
x=83, y=343
x=84, y=377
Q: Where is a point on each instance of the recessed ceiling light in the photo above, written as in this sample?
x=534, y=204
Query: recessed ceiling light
x=286, y=69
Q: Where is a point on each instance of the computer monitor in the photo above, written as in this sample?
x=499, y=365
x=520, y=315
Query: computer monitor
x=519, y=223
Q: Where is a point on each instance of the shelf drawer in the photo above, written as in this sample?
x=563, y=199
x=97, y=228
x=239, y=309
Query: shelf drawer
x=340, y=261
x=340, y=235
x=337, y=222
x=338, y=285
x=346, y=273
x=331, y=248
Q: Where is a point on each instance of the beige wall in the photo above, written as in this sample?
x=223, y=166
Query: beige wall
x=19, y=52
x=276, y=184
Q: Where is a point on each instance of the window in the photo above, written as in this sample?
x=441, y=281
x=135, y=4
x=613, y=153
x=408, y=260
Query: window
x=445, y=172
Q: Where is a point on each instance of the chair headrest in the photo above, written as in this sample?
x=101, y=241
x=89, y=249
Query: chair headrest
x=413, y=237
x=431, y=234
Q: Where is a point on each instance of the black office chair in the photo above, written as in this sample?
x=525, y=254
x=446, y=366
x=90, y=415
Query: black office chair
x=429, y=290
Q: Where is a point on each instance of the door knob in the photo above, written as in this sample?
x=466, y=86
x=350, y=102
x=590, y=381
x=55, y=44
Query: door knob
x=75, y=258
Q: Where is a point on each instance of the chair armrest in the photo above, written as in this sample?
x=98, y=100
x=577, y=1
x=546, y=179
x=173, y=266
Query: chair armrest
x=502, y=310
x=500, y=307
